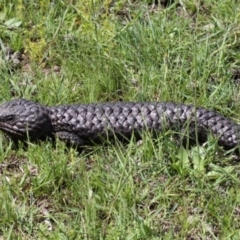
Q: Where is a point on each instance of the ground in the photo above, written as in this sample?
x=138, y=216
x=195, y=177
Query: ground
x=63, y=52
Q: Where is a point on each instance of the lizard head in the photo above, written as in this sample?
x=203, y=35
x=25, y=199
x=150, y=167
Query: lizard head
x=22, y=119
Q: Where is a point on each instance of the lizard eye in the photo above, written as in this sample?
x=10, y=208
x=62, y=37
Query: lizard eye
x=8, y=118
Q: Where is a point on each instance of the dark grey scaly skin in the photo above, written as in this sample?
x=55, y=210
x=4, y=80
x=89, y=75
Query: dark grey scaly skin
x=77, y=124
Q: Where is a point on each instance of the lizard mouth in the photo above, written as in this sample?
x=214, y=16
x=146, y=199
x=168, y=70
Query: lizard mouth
x=13, y=131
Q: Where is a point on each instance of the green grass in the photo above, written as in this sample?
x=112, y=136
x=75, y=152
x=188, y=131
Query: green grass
x=130, y=51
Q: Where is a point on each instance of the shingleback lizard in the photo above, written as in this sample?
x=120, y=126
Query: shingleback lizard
x=80, y=123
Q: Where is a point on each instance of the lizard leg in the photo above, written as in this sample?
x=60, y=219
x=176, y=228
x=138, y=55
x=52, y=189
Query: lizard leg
x=70, y=139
